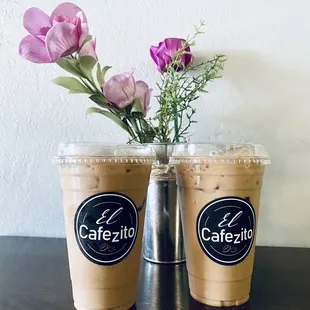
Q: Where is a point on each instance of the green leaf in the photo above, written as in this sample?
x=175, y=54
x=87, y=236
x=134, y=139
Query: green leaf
x=74, y=85
x=87, y=64
x=104, y=72
x=90, y=67
x=145, y=126
x=137, y=107
x=88, y=38
x=101, y=101
x=95, y=76
x=70, y=65
x=108, y=114
x=99, y=75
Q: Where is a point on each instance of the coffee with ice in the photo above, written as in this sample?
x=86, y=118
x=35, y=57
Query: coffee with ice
x=104, y=193
x=219, y=189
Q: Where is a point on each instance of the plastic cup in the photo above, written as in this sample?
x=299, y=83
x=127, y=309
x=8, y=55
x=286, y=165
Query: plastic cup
x=219, y=189
x=104, y=192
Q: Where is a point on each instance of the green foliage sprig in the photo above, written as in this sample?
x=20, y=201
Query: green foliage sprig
x=179, y=89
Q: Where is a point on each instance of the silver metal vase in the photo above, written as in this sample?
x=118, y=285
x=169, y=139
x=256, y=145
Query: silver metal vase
x=163, y=235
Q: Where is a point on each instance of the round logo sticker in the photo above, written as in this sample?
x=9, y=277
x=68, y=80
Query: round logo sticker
x=106, y=227
x=225, y=230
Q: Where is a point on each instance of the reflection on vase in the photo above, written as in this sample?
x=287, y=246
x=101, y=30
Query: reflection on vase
x=165, y=285
x=163, y=235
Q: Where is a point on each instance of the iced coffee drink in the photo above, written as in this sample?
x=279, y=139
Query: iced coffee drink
x=219, y=188
x=104, y=193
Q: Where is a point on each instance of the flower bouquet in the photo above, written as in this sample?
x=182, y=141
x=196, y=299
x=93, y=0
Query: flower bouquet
x=63, y=38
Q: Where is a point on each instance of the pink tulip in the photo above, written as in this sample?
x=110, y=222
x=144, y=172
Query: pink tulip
x=120, y=90
x=51, y=38
x=89, y=49
x=143, y=93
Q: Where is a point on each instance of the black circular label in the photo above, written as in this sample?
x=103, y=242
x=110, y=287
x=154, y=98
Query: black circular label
x=226, y=229
x=106, y=227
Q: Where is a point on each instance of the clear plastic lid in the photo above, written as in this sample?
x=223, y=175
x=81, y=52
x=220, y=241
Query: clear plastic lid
x=220, y=153
x=96, y=152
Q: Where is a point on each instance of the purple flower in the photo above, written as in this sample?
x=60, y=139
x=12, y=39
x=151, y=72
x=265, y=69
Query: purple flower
x=55, y=36
x=120, y=90
x=143, y=93
x=89, y=49
x=161, y=54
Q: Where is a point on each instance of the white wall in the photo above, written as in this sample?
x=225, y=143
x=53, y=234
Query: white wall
x=264, y=98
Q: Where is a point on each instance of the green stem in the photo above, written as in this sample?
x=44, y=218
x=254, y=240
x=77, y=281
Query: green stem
x=87, y=82
x=175, y=109
x=129, y=129
x=87, y=85
x=176, y=124
x=96, y=90
x=136, y=129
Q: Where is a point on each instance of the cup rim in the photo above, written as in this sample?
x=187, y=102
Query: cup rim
x=220, y=152
x=101, y=152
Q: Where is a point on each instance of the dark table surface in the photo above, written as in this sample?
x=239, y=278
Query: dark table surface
x=34, y=275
